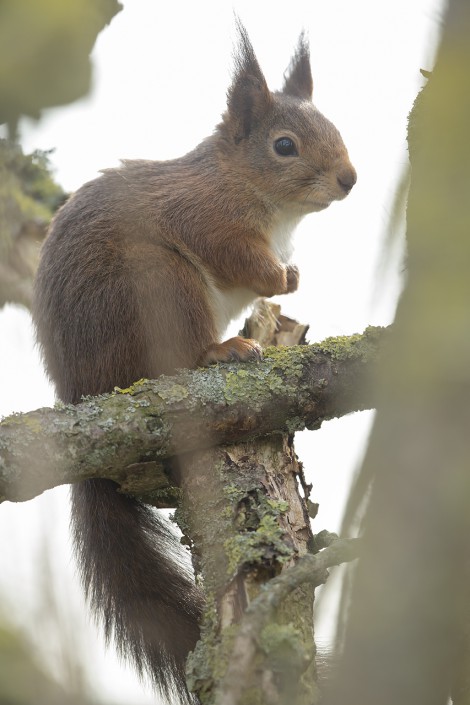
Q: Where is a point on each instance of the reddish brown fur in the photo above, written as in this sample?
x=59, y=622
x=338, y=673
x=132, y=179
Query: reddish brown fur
x=141, y=272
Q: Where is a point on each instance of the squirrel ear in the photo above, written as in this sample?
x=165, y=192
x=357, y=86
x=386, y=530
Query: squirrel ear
x=298, y=80
x=248, y=97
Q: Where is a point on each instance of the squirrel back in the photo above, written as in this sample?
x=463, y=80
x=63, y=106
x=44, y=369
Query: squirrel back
x=140, y=274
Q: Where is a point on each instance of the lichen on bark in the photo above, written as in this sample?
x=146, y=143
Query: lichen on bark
x=254, y=526
x=292, y=388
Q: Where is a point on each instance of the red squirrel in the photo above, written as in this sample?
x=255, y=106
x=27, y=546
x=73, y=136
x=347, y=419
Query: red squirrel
x=141, y=272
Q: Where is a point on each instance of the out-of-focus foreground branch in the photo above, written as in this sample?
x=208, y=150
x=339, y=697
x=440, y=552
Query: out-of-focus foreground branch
x=407, y=633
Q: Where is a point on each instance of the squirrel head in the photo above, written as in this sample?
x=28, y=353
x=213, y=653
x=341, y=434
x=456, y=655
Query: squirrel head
x=279, y=143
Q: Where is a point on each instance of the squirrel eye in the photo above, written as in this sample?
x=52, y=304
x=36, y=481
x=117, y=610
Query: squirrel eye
x=285, y=147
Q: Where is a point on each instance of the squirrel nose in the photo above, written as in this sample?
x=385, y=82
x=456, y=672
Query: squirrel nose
x=346, y=178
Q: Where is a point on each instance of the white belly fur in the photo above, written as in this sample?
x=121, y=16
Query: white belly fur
x=228, y=304
x=281, y=236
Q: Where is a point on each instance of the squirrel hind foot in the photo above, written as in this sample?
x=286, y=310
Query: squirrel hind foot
x=235, y=349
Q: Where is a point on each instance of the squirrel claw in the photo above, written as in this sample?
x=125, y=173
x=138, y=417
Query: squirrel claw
x=236, y=349
x=292, y=272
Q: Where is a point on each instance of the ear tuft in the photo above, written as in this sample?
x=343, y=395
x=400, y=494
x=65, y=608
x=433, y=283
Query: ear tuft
x=298, y=80
x=248, y=97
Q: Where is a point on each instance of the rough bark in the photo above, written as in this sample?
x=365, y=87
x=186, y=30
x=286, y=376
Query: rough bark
x=245, y=511
x=311, y=569
x=243, y=497
x=248, y=522
x=126, y=436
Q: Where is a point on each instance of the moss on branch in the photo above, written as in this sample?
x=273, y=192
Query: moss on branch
x=127, y=435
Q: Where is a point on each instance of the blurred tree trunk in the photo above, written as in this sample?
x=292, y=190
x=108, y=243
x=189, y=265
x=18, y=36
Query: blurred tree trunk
x=407, y=636
x=45, y=61
x=29, y=197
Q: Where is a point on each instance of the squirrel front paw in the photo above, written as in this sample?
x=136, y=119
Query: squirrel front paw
x=292, y=278
x=232, y=350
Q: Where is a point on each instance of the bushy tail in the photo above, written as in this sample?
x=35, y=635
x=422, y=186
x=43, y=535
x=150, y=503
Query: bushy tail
x=145, y=599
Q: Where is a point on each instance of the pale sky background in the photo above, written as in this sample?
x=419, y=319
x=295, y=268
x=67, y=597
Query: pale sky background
x=161, y=74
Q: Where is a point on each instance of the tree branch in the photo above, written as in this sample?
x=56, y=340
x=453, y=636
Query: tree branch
x=309, y=569
x=125, y=436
